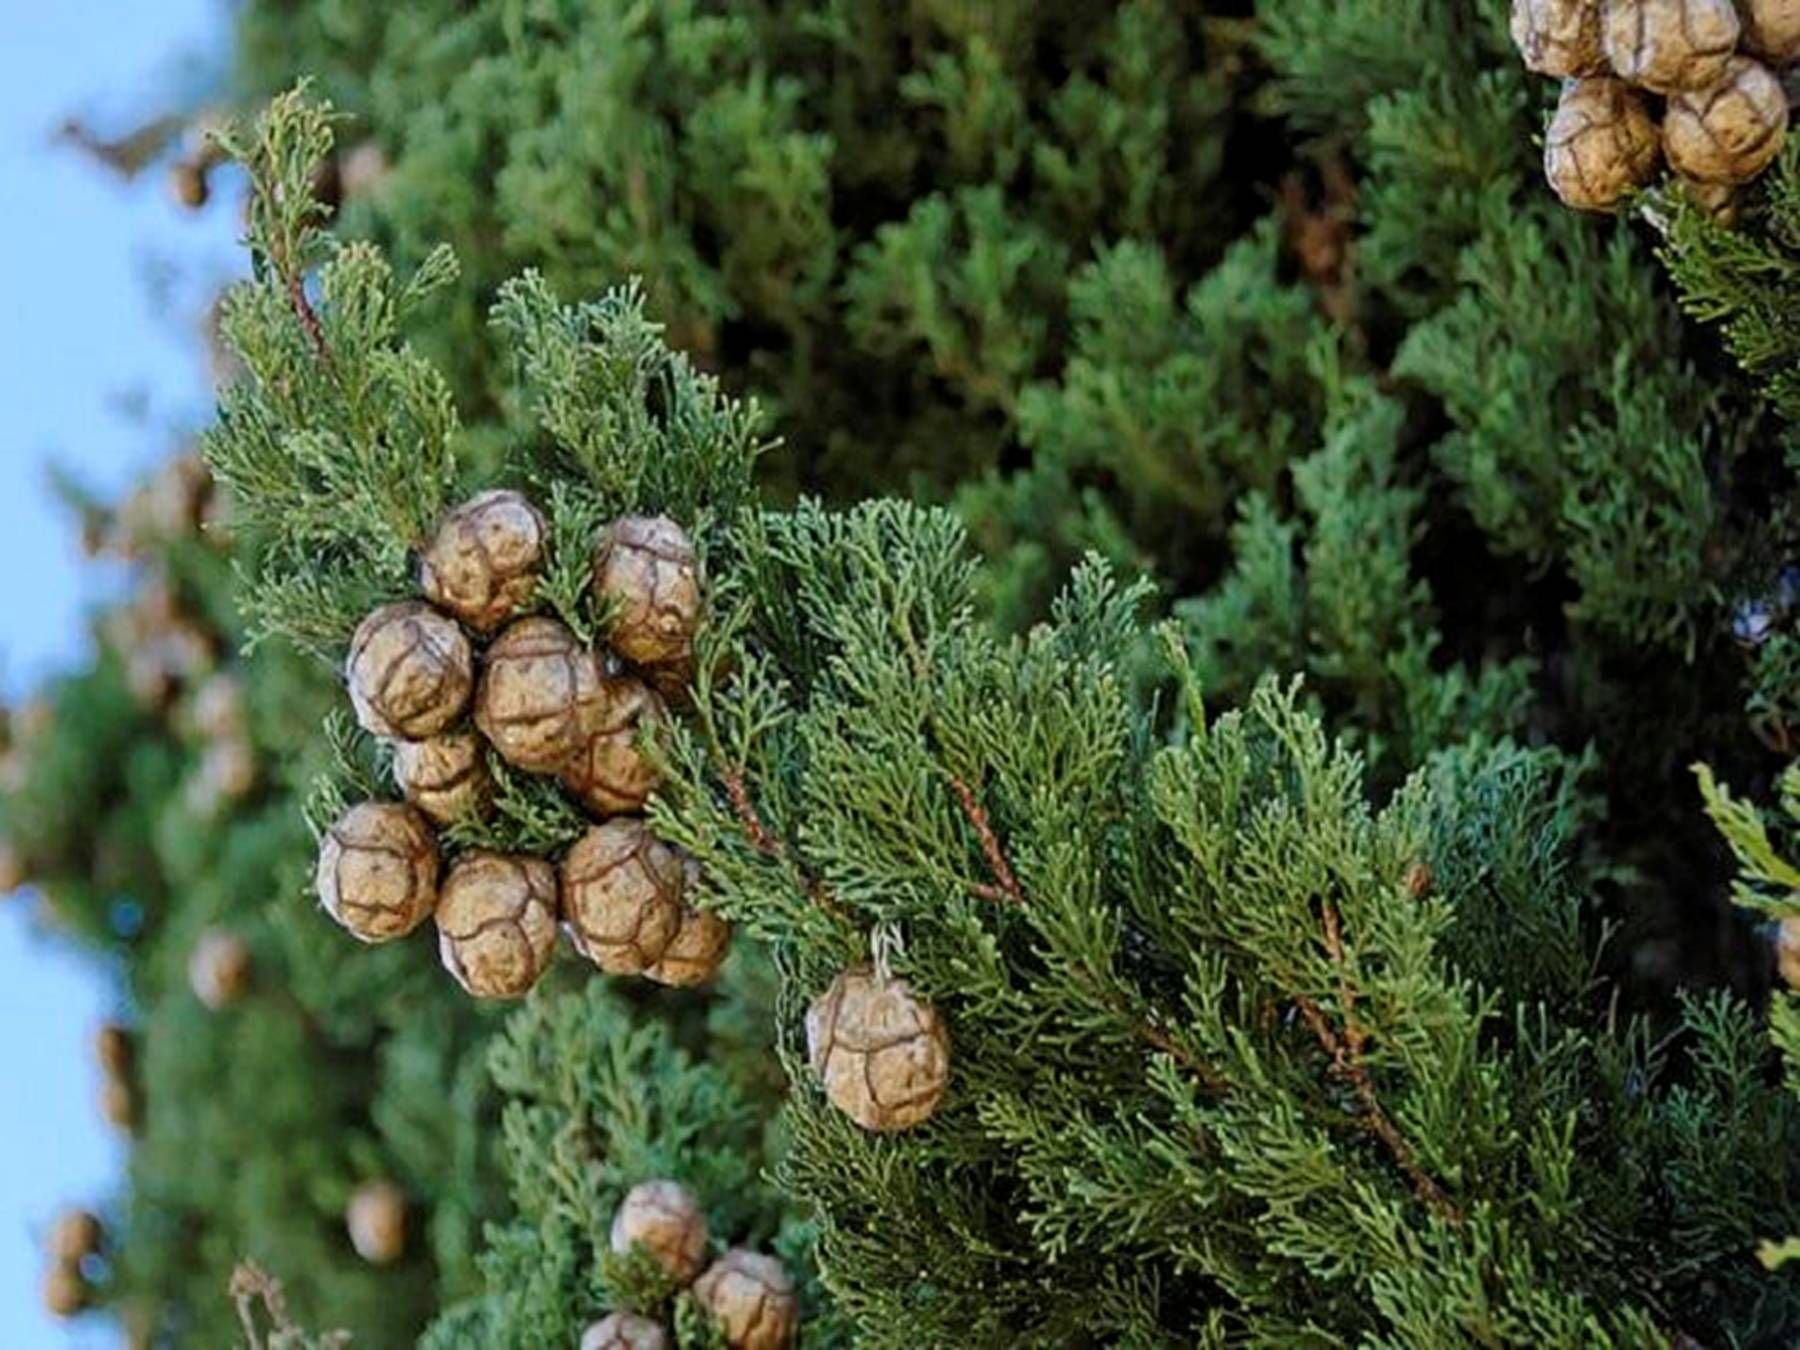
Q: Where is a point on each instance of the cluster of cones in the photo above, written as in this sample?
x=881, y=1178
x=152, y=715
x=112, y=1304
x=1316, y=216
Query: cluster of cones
x=546, y=704
x=173, y=659
x=174, y=662
x=748, y=1294
x=1692, y=82
x=74, y=1241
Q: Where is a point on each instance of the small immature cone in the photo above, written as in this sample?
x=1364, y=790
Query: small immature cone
x=75, y=1234
x=219, y=968
x=187, y=184
x=1771, y=30
x=612, y=775
x=625, y=1331
x=1559, y=37
x=378, y=870
x=150, y=676
x=1787, y=951
x=696, y=952
x=482, y=564
x=496, y=923
x=540, y=695
x=881, y=1051
x=114, y=1049
x=622, y=896
x=1669, y=45
x=665, y=1220
x=65, y=1292
x=227, y=773
x=177, y=495
x=1729, y=131
x=646, y=569
x=410, y=671
x=363, y=170
x=446, y=777
x=751, y=1298
x=217, y=710
x=1601, y=144
x=376, y=1220
x=118, y=1104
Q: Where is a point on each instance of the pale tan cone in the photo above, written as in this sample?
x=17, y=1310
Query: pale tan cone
x=1787, y=950
x=1559, y=37
x=625, y=1331
x=1600, y=145
x=1669, y=45
x=1729, y=131
x=482, y=564
x=65, y=1292
x=378, y=870
x=612, y=775
x=622, y=892
x=75, y=1234
x=881, y=1051
x=445, y=777
x=496, y=920
x=410, y=671
x=1771, y=30
x=219, y=968
x=663, y=1218
x=645, y=569
x=752, y=1298
x=540, y=696
x=376, y=1221
x=696, y=952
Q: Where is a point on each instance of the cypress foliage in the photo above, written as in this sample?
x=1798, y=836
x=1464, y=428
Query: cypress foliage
x=1272, y=313
x=1236, y=1053
x=1272, y=308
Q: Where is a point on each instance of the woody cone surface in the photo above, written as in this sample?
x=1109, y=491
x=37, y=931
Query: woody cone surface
x=410, y=671
x=751, y=1298
x=612, y=775
x=444, y=777
x=483, y=562
x=625, y=1331
x=540, y=695
x=378, y=871
x=881, y=1051
x=664, y=1219
x=646, y=567
x=496, y=923
x=622, y=896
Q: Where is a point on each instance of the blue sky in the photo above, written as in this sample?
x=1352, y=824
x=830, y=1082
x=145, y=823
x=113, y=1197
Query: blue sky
x=97, y=372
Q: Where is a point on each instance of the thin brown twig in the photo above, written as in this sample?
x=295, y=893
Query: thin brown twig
x=1346, y=1063
x=766, y=843
x=1006, y=888
x=1007, y=883
x=754, y=829
x=1158, y=1037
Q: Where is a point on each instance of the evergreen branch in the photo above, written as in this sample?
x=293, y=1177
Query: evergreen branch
x=1160, y=1038
x=1347, y=1064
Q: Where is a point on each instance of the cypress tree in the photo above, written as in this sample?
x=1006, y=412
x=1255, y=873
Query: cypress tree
x=1345, y=1009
